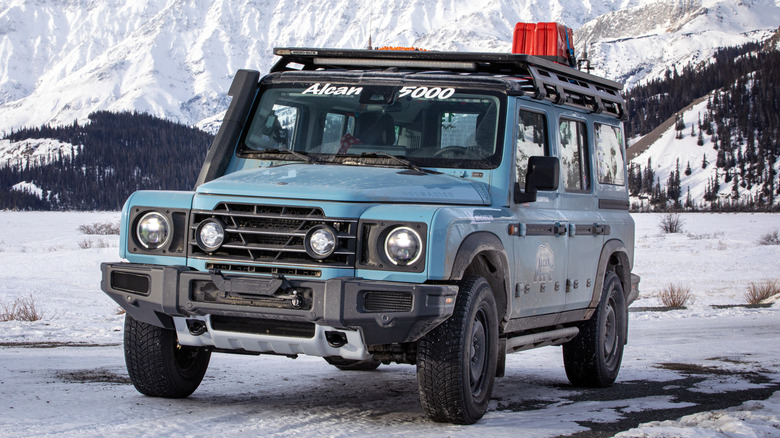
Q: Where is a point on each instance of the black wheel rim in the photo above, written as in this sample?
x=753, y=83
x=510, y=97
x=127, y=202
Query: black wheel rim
x=478, y=358
x=186, y=358
x=610, y=335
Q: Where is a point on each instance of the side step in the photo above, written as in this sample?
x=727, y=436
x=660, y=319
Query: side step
x=527, y=342
x=536, y=340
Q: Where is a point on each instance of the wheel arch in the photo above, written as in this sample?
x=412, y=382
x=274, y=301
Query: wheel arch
x=483, y=254
x=614, y=257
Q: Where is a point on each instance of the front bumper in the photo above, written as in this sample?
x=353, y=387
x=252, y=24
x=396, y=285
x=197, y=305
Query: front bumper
x=368, y=312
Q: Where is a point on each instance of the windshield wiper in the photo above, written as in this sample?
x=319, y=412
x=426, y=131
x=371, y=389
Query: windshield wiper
x=283, y=150
x=406, y=163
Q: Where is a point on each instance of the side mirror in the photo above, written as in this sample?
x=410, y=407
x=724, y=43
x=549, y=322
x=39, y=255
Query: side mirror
x=543, y=173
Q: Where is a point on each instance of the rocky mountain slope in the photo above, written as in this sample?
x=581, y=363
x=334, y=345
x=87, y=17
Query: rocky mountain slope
x=59, y=61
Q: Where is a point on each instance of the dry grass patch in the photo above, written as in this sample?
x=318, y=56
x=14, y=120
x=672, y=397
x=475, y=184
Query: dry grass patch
x=675, y=295
x=22, y=309
x=103, y=229
x=758, y=292
x=771, y=238
x=671, y=223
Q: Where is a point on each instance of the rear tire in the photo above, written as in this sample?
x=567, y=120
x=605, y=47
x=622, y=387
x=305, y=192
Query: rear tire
x=593, y=358
x=158, y=366
x=456, y=361
x=353, y=365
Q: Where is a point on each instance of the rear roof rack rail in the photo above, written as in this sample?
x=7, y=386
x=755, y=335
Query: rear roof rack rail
x=545, y=79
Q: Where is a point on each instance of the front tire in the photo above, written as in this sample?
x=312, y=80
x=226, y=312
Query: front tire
x=456, y=361
x=158, y=366
x=593, y=358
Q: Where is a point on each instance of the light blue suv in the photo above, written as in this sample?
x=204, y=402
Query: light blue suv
x=430, y=208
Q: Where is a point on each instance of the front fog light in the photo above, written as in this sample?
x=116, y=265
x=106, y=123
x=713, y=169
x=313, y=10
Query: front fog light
x=153, y=230
x=321, y=241
x=403, y=246
x=211, y=235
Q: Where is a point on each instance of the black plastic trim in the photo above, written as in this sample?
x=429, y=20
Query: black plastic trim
x=337, y=302
x=614, y=204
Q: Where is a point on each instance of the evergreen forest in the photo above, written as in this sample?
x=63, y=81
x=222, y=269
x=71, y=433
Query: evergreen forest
x=741, y=123
x=113, y=155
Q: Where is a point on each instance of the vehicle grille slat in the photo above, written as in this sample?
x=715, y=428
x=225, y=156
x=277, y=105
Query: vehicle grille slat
x=274, y=235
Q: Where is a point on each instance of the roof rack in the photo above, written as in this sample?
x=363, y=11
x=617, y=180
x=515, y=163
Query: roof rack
x=546, y=79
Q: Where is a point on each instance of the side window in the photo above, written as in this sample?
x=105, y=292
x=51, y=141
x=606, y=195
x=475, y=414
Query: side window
x=574, y=156
x=609, y=154
x=531, y=141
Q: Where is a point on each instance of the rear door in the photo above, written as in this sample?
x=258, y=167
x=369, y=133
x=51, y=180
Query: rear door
x=578, y=204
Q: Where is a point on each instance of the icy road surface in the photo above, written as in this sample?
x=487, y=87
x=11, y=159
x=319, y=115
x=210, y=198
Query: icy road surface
x=65, y=375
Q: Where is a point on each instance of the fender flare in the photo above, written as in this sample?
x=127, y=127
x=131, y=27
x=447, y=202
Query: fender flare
x=613, y=248
x=478, y=243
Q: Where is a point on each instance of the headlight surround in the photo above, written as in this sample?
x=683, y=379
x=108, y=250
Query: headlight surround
x=403, y=246
x=321, y=242
x=153, y=230
x=210, y=234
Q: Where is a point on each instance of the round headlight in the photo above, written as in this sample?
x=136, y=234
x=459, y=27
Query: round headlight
x=211, y=235
x=321, y=241
x=403, y=246
x=153, y=230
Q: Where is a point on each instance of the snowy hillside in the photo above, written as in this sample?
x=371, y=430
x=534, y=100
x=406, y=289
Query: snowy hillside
x=669, y=152
x=59, y=61
x=33, y=152
x=642, y=42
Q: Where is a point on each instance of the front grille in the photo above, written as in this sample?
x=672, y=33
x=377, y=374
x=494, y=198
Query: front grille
x=272, y=327
x=387, y=301
x=273, y=235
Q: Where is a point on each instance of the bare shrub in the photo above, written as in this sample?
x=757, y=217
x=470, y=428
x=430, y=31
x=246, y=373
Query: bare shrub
x=771, y=238
x=675, y=295
x=671, y=223
x=103, y=229
x=22, y=309
x=758, y=292
x=85, y=244
x=103, y=244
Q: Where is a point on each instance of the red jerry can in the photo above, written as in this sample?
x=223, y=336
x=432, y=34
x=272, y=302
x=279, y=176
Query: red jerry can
x=552, y=40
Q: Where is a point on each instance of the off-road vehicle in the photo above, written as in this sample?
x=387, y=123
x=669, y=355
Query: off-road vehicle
x=438, y=209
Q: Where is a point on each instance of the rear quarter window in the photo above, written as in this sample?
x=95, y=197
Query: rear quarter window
x=609, y=154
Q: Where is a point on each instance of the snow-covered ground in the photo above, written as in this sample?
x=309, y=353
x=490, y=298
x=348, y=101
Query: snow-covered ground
x=65, y=375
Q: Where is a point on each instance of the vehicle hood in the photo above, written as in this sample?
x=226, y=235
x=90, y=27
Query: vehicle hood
x=349, y=184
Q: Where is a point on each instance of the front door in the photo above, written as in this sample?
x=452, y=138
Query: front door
x=541, y=237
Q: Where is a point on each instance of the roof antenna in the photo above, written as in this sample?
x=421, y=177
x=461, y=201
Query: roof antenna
x=370, y=24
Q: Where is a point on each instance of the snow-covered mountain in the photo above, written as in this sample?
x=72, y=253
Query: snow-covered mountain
x=59, y=61
x=641, y=42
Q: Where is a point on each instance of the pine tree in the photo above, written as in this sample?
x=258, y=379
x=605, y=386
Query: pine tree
x=688, y=200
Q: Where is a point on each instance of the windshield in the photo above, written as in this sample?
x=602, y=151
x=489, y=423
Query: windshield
x=424, y=125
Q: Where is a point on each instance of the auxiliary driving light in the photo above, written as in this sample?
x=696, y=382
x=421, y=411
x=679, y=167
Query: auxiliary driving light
x=320, y=242
x=211, y=235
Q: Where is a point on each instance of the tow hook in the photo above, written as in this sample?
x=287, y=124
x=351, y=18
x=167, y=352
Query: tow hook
x=196, y=327
x=336, y=339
